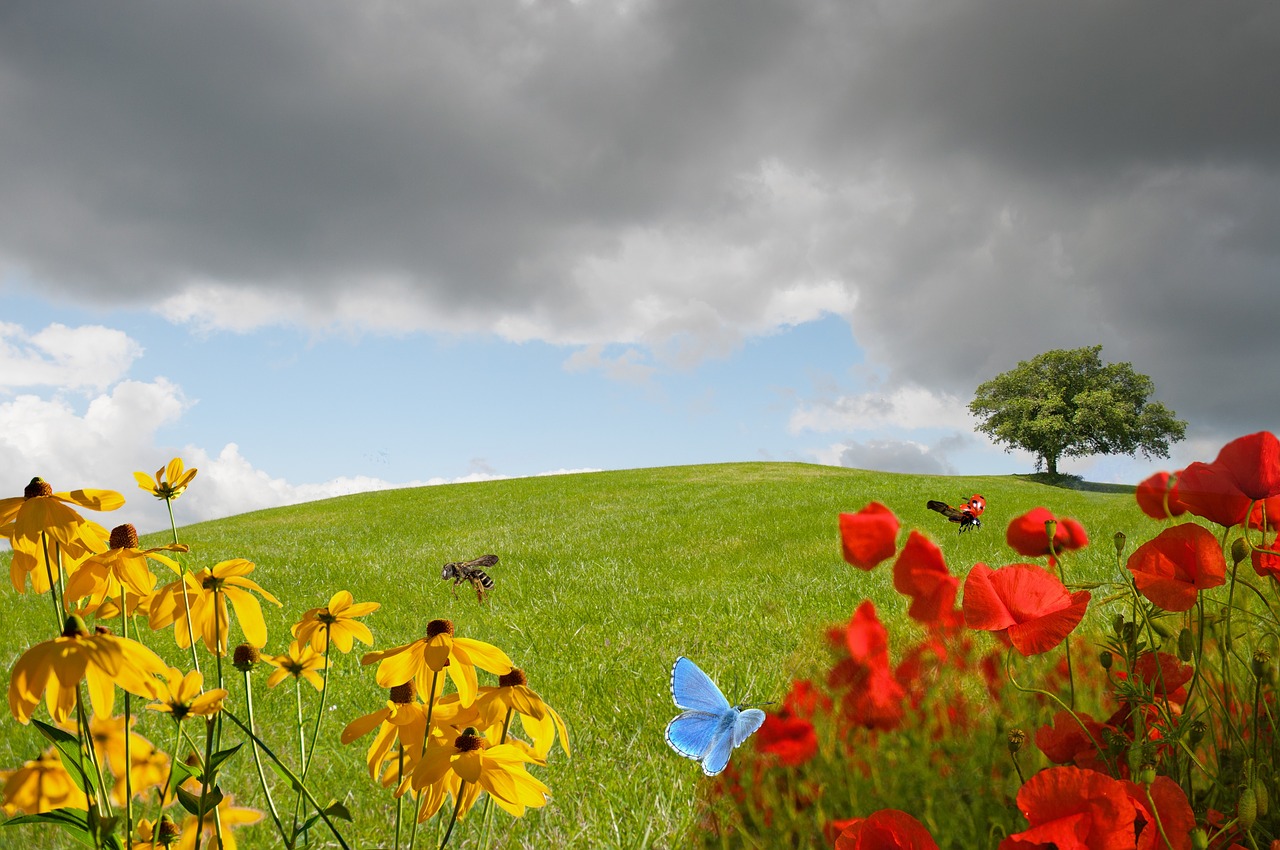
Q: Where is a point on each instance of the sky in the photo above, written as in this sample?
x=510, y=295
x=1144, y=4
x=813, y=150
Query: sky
x=315, y=247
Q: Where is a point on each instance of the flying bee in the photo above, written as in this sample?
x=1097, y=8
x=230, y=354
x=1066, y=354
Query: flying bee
x=967, y=514
x=461, y=571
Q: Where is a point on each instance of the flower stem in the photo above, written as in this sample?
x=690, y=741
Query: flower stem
x=257, y=760
x=324, y=815
x=182, y=576
x=457, y=804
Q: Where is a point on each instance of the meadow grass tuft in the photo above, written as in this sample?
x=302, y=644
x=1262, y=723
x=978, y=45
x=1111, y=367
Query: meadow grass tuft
x=604, y=579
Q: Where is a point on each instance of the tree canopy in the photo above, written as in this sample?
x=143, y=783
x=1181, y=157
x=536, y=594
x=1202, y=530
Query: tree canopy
x=1068, y=403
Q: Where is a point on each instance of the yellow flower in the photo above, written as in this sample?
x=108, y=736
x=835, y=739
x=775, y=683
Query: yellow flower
x=183, y=696
x=439, y=651
x=403, y=721
x=150, y=768
x=500, y=770
x=56, y=667
x=41, y=785
x=228, y=814
x=123, y=566
x=513, y=694
x=40, y=511
x=339, y=616
x=156, y=836
x=207, y=593
x=298, y=662
x=169, y=482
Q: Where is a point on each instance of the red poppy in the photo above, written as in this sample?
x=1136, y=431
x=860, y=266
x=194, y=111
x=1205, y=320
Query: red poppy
x=1158, y=497
x=1023, y=602
x=869, y=536
x=1027, y=536
x=1064, y=742
x=1165, y=674
x=872, y=698
x=887, y=829
x=791, y=739
x=1072, y=808
x=1264, y=562
x=921, y=573
x=1179, y=563
x=1247, y=469
x=804, y=700
x=834, y=827
x=1172, y=810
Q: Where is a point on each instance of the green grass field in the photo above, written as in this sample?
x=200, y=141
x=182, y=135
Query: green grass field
x=604, y=579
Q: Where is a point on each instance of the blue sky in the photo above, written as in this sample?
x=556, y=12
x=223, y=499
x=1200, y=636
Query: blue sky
x=316, y=248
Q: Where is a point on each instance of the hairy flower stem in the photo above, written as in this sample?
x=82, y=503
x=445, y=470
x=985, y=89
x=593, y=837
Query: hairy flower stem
x=257, y=760
x=1054, y=561
x=1008, y=671
x=293, y=778
x=400, y=799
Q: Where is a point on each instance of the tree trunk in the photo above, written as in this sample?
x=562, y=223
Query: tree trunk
x=1051, y=464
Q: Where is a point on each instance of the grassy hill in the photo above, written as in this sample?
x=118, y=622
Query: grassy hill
x=604, y=579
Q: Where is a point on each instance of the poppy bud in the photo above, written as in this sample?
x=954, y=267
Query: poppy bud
x=1161, y=629
x=1240, y=549
x=1104, y=658
x=1117, y=625
x=1258, y=666
x=1199, y=839
x=1147, y=774
x=1016, y=739
x=1246, y=808
x=1263, y=797
x=1119, y=541
x=1186, y=645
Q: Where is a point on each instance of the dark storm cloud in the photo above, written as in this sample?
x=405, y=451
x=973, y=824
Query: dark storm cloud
x=992, y=179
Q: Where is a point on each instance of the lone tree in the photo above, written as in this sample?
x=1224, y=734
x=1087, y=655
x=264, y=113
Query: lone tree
x=1068, y=404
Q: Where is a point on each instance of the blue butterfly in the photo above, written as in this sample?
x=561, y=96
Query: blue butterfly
x=709, y=728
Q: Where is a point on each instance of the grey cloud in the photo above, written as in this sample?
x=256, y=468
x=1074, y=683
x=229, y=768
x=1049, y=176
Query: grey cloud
x=895, y=456
x=992, y=178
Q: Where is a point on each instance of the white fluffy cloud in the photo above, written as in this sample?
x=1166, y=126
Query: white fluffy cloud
x=907, y=407
x=87, y=357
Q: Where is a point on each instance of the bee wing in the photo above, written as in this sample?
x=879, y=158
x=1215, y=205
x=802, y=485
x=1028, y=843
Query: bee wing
x=483, y=561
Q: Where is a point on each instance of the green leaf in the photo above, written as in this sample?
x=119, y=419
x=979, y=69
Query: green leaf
x=283, y=774
x=338, y=810
x=180, y=774
x=220, y=757
x=74, y=821
x=191, y=802
x=68, y=747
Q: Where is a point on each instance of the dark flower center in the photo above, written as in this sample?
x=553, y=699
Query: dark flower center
x=124, y=537
x=513, y=679
x=37, y=487
x=245, y=656
x=404, y=694
x=439, y=627
x=469, y=741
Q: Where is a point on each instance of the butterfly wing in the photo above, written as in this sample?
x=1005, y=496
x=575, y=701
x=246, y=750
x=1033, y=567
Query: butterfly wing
x=690, y=734
x=746, y=724
x=733, y=729
x=693, y=689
